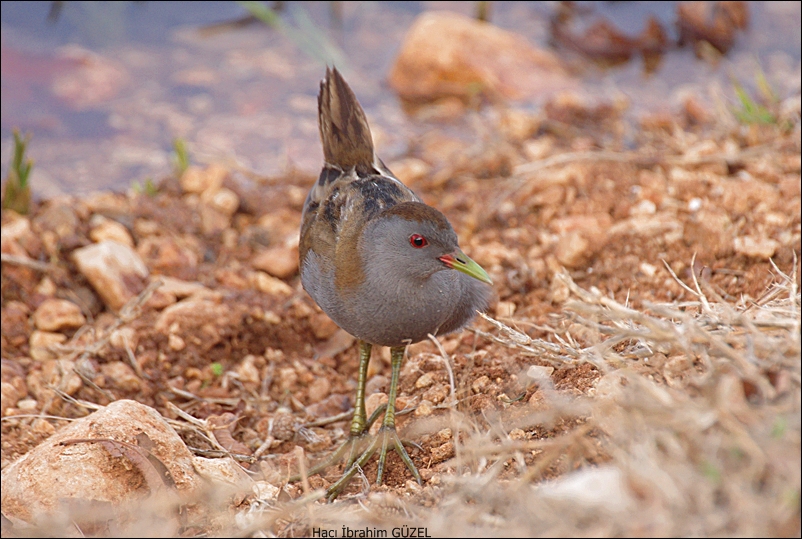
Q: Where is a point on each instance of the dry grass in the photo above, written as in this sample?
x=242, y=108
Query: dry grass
x=695, y=420
x=693, y=429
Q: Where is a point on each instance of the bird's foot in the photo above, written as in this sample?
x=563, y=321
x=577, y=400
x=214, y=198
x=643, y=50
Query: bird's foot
x=349, y=449
x=352, y=447
x=384, y=440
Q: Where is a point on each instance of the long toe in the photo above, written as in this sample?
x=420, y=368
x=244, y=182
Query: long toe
x=348, y=451
x=389, y=437
x=357, y=466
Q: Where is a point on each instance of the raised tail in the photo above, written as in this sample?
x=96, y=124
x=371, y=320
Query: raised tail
x=344, y=128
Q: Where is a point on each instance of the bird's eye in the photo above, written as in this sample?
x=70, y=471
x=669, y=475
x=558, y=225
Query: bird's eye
x=418, y=241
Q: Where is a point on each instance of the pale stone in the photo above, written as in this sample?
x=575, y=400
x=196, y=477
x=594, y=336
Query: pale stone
x=480, y=384
x=40, y=341
x=505, y=309
x=756, y=246
x=425, y=380
x=448, y=54
x=573, y=250
x=319, y=389
x=268, y=284
x=107, y=229
x=281, y=262
x=223, y=200
x=114, y=270
x=122, y=376
x=199, y=180
x=39, y=482
x=58, y=314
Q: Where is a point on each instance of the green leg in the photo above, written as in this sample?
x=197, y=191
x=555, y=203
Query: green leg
x=359, y=422
x=387, y=435
x=359, y=425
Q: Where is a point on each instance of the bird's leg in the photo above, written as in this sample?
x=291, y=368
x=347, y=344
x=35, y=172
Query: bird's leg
x=359, y=423
x=387, y=435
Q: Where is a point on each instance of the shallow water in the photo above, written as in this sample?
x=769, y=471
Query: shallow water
x=104, y=88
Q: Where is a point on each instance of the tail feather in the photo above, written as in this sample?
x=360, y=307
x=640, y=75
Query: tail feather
x=344, y=128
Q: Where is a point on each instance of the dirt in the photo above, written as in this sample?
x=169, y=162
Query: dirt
x=684, y=198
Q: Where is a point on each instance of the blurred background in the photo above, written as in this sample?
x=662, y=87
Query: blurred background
x=105, y=88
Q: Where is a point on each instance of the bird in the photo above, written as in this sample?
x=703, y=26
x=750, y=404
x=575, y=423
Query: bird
x=383, y=265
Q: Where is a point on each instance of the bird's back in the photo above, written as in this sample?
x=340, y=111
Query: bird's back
x=353, y=182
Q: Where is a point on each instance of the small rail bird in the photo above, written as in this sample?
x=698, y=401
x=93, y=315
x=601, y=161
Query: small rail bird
x=383, y=265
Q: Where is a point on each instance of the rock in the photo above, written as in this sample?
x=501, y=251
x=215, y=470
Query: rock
x=9, y=397
x=424, y=409
x=287, y=378
x=247, y=370
x=442, y=452
x=40, y=342
x=124, y=337
x=46, y=287
x=377, y=384
x=756, y=246
x=220, y=471
x=716, y=23
x=59, y=218
x=176, y=343
x=58, y=373
x=448, y=54
x=223, y=200
x=213, y=221
x=57, y=314
x=539, y=372
x=114, y=270
x=372, y=402
x=202, y=318
x=107, y=202
x=178, y=287
x=269, y=285
x=442, y=436
x=17, y=230
x=60, y=475
x=14, y=323
x=13, y=385
x=106, y=229
x=480, y=384
x=323, y=327
x=505, y=309
x=166, y=256
x=319, y=389
x=425, y=380
x=281, y=262
x=436, y=394
x=332, y=405
x=121, y=376
x=573, y=250
x=198, y=180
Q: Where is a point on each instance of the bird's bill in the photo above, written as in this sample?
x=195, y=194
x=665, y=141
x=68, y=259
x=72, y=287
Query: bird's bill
x=462, y=262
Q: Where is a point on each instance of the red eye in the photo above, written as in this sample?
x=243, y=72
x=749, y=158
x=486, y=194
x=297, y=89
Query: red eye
x=418, y=241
